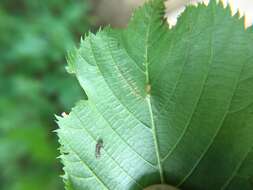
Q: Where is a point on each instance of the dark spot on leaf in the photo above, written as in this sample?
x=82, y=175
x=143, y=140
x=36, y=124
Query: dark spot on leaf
x=99, y=145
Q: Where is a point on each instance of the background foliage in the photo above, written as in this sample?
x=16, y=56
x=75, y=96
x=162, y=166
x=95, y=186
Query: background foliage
x=34, y=37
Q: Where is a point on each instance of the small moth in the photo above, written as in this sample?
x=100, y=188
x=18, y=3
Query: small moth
x=99, y=145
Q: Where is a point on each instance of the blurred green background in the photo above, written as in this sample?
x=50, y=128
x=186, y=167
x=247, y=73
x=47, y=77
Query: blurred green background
x=34, y=38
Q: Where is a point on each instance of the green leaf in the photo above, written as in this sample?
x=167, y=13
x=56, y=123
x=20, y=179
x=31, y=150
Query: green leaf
x=164, y=105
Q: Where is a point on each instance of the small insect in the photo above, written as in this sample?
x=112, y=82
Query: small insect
x=99, y=145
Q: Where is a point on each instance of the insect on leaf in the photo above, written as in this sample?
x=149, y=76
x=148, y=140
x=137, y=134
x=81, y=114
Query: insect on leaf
x=173, y=105
x=99, y=145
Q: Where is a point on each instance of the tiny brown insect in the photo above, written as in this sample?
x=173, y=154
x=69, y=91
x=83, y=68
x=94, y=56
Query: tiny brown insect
x=99, y=145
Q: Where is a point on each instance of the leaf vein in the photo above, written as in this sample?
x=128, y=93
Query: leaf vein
x=146, y=63
x=237, y=168
x=81, y=122
x=134, y=90
x=217, y=131
x=86, y=166
x=126, y=108
x=110, y=126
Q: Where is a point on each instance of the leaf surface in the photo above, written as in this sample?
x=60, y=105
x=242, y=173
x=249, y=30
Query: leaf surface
x=170, y=105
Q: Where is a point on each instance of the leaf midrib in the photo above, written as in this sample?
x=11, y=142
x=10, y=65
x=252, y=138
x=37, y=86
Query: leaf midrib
x=148, y=98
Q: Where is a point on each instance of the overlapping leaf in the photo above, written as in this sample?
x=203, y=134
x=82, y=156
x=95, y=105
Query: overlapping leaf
x=170, y=105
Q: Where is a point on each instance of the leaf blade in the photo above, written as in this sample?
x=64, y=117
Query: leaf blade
x=165, y=114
